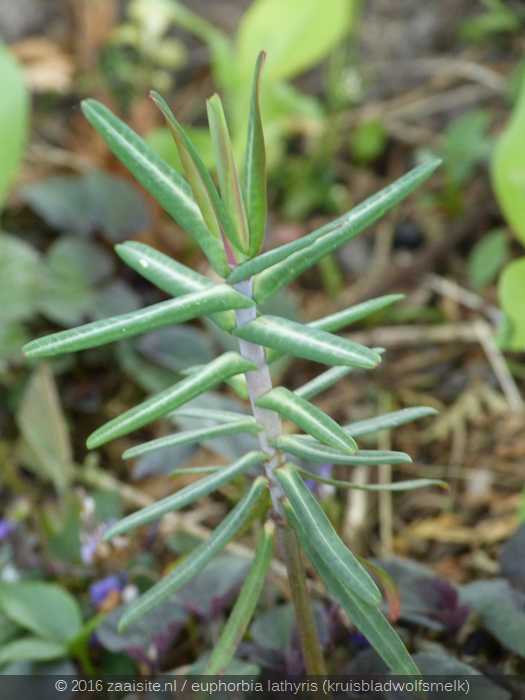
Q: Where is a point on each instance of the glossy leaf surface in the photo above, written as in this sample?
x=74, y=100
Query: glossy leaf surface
x=161, y=180
x=218, y=370
x=185, y=496
x=242, y=613
x=308, y=417
x=248, y=425
x=189, y=306
x=312, y=344
x=339, y=232
x=199, y=557
x=324, y=539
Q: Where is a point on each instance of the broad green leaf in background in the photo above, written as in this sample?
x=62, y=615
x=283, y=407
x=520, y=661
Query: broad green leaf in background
x=296, y=34
x=487, y=258
x=14, y=113
x=44, y=430
x=466, y=144
x=31, y=649
x=42, y=608
x=508, y=168
x=90, y=203
x=512, y=299
x=20, y=279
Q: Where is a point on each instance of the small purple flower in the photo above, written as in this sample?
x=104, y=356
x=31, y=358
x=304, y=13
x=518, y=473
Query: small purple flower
x=7, y=527
x=359, y=640
x=100, y=590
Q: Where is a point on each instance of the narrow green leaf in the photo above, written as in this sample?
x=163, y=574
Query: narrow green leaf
x=254, y=173
x=187, y=437
x=328, y=238
x=163, y=182
x=227, y=173
x=169, y=275
x=324, y=539
x=308, y=417
x=167, y=401
x=200, y=556
x=409, y=485
x=388, y=420
x=180, y=471
x=341, y=319
x=237, y=383
x=209, y=414
x=185, y=496
x=202, y=185
x=242, y=613
x=108, y=330
x=367, y=618
x=322, y=382
x=302, y=341
x=313, y=451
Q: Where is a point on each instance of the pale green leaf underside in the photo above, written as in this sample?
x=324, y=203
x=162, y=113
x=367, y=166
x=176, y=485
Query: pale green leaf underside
x=165, y=402
x=185, y=496
x=312, y=344
x=185, y=308
x=188, y=437
x=199, y=557
x=308, y=417
x=242, y=613
x=324, y=539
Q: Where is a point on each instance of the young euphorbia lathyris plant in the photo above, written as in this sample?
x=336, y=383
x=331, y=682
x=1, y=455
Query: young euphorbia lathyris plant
x=228, y=222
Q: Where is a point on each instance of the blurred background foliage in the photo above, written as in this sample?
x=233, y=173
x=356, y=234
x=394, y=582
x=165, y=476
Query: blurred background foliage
x=353, y=95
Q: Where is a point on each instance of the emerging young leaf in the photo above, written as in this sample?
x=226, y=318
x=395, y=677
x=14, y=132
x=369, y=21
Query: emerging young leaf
x=295, y=339
x=188, y=437
x=254, y=173
x=167, y=401
x=341, y=231
x=410, y=485
x=227, y=173
x=324, y=539
x=367, y=618
x=185, y=496
x=169, y=275
x=308, y=417
x=306, y=448
x=163, y=182
x=202, y=185
x=199, y=557
x=108, y=330
x=243, y=610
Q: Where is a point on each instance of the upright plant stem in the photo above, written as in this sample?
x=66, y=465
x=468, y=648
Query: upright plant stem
x=259, y=382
